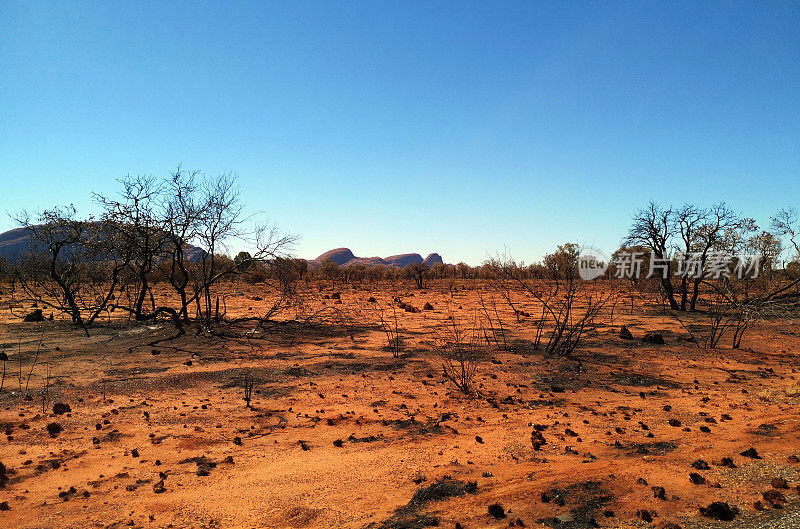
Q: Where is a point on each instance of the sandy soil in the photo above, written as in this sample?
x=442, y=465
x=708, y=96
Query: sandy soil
x=341, y=434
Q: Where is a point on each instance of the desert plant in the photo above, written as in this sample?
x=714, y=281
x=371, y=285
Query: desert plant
x=419, y=272
x=569, y=304
x=248, y=388
x=458, y=348
x=496, y=333
x=4, y=358
x=389, y=325
x=46, y=388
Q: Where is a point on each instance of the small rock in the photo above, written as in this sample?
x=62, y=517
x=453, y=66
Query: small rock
x=60, y=408
x=35, y=315
x=496, y=510
x=779, y=483
x=537, y=440
x=653, y=338
x=54, y=429
x=719, y=510
x=697, y=479
x=774, y=497
x=751, y=453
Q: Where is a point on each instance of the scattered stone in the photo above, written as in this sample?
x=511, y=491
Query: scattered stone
x=338, y=443
x=751, y=453
x=625, y=333
x=60, y=408
x=54, y=429
x=159, y=487
x=697, y=479
x=645, y=515
x=497, y=511
x=779, y=483
x=660, y=493
x=537, y=440
x=654, y=338
x=775, y=498
x=719, y=510
x=427, y=306
x=35, y=315
x=726, y=462
x=674, y=422
x=4, y=506
x=700, y=465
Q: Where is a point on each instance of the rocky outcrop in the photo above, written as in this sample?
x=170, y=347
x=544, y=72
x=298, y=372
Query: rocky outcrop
x=14, y=243
x=343, y=256
x=433, y=259
x=339, y=256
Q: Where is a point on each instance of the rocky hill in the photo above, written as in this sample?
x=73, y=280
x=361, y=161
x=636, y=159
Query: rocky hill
x=14, y=243
x=343, y=256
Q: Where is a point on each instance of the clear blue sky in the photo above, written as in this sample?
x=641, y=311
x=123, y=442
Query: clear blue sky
x=391, y=127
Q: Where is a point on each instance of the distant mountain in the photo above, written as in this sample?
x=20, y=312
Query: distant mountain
x=14, y=243
x=343, y=256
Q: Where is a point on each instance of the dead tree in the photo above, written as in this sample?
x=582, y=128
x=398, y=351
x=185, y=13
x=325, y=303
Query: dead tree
x=54, y=270
x=458, y=347
x=569, y=305
x=653, y=228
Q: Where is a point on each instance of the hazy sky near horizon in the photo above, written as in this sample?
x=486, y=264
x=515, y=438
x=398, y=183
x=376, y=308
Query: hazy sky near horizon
x=390, y=127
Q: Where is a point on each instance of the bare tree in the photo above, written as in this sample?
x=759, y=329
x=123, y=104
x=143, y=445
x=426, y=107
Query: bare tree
x=139, y=232
x=569, y=304
x=418, y=272
x=329, y=269
x=458, y=347
x=180, y=212
x=710, y=235
x=54, y=271
x=389, y=325
x=653, y=228
x=785, y=224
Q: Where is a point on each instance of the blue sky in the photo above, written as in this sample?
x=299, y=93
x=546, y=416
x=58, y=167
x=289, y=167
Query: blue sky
x=389, y=127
